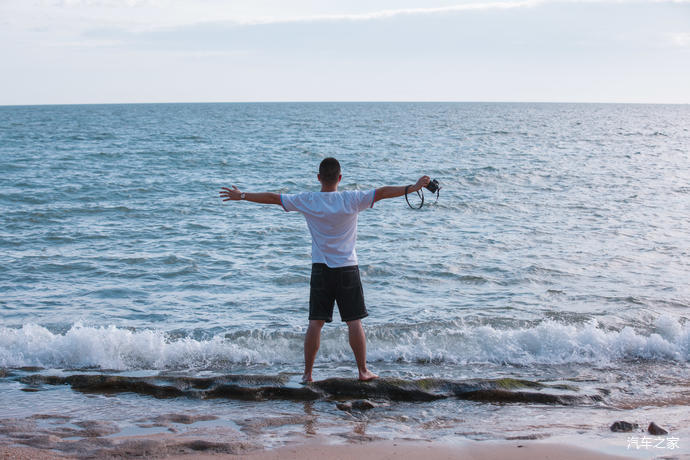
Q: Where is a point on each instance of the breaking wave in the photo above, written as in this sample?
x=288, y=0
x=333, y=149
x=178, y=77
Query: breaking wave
x=550, y=342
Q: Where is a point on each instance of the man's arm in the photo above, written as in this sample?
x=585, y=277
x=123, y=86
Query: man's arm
x=395, y=191
x=235, y=194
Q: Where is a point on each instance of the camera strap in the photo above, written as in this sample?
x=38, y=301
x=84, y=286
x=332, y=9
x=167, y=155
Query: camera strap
x=421, y=196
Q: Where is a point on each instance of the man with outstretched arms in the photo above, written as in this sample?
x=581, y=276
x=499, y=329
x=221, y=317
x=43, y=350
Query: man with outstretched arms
x=332, y=220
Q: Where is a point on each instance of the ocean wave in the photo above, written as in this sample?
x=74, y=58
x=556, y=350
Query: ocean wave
x=549, y=342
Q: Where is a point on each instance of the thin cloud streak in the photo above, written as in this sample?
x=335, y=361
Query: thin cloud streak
x=390, y=13
x=385, y=14
x=168, y=14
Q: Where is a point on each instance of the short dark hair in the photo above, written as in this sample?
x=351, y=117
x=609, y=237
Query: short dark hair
x=329, y=169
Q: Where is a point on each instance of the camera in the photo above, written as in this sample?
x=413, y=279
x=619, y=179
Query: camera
x=433, y=186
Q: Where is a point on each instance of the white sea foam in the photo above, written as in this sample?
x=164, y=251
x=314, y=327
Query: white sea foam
x=547, y=343
x=114, y=348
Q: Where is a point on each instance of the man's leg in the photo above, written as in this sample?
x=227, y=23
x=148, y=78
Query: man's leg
x=311, y=345
x=358, y=342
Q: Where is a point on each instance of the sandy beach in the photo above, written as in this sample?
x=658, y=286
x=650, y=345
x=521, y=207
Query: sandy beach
x=377, y=450
x=392, y=450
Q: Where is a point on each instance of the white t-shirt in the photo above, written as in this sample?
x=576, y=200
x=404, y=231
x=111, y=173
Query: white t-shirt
x=332, y=221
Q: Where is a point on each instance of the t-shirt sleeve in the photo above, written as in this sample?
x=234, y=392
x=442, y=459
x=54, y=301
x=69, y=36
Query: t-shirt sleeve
x=364, y=199
x=293, y=202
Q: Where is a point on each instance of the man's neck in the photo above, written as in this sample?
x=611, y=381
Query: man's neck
x=329, y=188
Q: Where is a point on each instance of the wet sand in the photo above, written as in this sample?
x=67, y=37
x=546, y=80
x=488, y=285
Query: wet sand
x=401, y=451
x=340, y=427
x=366, y=451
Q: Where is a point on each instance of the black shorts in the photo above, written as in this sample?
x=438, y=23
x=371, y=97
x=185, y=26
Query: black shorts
x=341, y=285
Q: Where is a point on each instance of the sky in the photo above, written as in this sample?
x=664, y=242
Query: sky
x=125, y=51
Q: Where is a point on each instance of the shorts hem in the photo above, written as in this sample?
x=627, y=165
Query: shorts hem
x=355, y=318
x=328, y=320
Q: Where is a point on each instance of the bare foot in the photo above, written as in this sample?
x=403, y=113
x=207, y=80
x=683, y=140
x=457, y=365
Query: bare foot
x=306, y=379
x=367, y=375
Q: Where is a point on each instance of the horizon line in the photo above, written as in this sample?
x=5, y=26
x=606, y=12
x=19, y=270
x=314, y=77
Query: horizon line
x=343, y=102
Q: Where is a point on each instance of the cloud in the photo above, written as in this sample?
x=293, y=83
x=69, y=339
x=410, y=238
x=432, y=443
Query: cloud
x=255, y=19
x=681, y=39
x=210, y=54
x=385, y=14
x=83, y=43
x=106, y=3
x=148, y=15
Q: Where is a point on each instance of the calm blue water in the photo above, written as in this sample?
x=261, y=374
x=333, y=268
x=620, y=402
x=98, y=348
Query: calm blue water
x=558, y=249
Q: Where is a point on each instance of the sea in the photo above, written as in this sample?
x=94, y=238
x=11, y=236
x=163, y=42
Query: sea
x=543, y=296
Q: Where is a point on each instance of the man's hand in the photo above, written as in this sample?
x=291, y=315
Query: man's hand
x=234, y=194
x=422, y=182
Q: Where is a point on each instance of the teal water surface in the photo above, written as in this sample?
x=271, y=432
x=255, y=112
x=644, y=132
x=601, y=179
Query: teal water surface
x=558, y=248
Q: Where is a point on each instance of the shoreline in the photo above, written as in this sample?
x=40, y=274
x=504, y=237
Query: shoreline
x=398, y=450
x=235, y=423
x=393, y=450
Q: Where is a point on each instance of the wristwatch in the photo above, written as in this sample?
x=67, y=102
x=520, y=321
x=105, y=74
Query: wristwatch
x=243, y=196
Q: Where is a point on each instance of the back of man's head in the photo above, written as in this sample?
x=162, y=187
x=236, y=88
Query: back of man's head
x=329, y=170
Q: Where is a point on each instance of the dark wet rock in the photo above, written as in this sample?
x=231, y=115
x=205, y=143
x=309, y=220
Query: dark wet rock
x=260, y=388
x=87, y=447
x=527, y=437
x=185, y=419
x=22, y=435
x=604, y=391
x=38, y=440
x=62, y=418
x=656, y=430
x=362, y=404
x=499, y=390
x=234, y=448
x=359, y=437
x=358, y=405
x=563, y=386
x=263, y=393
x=41, y=441
x=153, y=425
x=202, y=383
x=10, y=426
x=201, y=445
x=5, y=373
x=171, y=387
x=138, y=448
x=97, y=428
x=622, y=426
x=504, y=396
x=98, y=383
x=255, y=425
x=346, y=406
x=393, y=389
x=65, y=432
x=514, y=384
